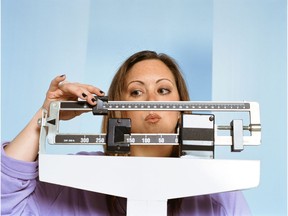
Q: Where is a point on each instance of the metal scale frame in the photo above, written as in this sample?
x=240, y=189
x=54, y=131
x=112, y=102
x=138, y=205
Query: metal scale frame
x=195, y=172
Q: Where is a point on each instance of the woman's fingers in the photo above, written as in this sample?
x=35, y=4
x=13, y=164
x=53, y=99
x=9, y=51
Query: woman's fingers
x=61, y=89
x=82, y=91
x=54, y=85
x=94, y=89
x=89, y=92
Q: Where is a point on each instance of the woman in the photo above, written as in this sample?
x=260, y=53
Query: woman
x=144, y=76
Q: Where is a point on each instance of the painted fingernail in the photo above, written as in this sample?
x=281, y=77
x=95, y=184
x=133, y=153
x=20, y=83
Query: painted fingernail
x=93, y=100
x=62, y=75
x=84, y=95
x=101, y=92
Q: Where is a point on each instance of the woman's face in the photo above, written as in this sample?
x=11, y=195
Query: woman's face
x=151, y=80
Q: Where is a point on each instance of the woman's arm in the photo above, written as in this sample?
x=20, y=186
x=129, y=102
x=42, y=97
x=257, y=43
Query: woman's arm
x=25, y=145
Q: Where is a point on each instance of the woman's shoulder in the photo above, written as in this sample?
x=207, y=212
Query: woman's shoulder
x=227, y=203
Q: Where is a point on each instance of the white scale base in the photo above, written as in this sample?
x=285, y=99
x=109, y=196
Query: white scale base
x=147, y=182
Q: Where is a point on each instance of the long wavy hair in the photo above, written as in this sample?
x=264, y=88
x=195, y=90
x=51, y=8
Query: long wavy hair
x=115, y=91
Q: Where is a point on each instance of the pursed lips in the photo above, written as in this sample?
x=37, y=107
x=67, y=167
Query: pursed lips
x=152, y=118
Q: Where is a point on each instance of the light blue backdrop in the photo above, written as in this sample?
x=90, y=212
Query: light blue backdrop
x=242, y=42
x=250, y=62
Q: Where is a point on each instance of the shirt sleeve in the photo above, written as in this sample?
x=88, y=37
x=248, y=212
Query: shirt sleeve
x=18, y=182
x=232, y=203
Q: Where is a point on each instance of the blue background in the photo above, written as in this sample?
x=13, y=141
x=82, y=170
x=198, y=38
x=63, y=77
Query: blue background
x=228, y=50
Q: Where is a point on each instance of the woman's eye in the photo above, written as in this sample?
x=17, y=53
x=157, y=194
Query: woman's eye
x=163, y=91
x=136, y=93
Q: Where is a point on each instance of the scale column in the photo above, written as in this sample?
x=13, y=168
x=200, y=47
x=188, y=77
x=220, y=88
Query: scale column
x=146, y=207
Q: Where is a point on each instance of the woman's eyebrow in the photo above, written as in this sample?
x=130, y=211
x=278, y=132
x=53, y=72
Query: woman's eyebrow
x=163, y=79
x=142, y=83
x=136, y=81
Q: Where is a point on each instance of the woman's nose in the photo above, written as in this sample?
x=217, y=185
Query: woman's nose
x=151, y=97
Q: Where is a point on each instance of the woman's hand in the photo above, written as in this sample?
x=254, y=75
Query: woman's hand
x=61, y=90
x=25, y=146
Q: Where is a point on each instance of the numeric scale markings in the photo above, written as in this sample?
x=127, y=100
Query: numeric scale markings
x=163, y=105
x=179, y=105
x=133, y=139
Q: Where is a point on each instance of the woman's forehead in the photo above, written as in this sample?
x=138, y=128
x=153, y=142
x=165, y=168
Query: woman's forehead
x=149, y=70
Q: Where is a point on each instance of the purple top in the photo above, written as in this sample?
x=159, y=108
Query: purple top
x=23, y=194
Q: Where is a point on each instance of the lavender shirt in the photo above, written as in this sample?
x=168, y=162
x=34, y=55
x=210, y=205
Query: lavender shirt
x=23, y=194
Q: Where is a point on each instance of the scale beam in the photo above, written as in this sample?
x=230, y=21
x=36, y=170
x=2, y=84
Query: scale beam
x=104, y=105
